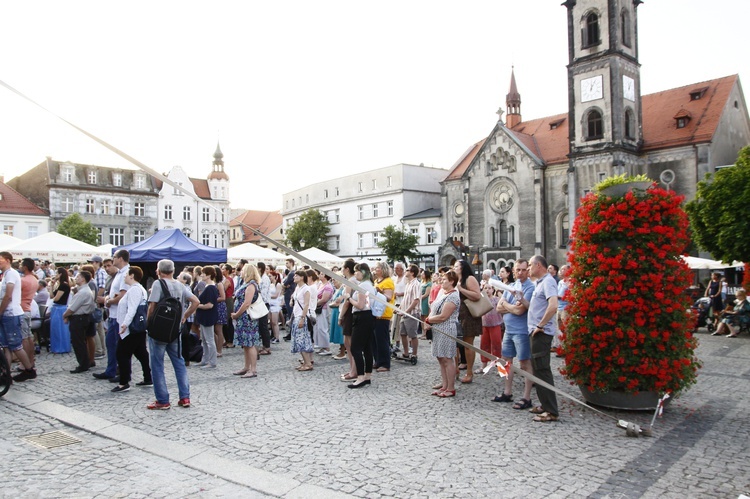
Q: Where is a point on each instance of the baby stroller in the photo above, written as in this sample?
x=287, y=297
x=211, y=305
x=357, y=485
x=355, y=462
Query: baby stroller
x=704, y=314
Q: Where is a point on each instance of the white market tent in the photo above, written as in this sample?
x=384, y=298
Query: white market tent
x=55, y=248
x=108, y=248
x=254, y=253
x=321, y=257
x=7, y=241
x=696, y=263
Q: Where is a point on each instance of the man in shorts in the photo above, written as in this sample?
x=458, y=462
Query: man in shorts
x=516, y=341
x=410, y=305
x=29, y=285
x=11, y=317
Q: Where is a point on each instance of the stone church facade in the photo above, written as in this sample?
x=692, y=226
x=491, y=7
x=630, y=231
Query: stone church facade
x=515, y=193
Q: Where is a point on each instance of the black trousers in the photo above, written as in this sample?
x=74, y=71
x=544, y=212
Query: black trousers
x=78, y=325
x=540, y=350
x=228, y=328
x=363, y=330
x=265, y=333
x=133, y=344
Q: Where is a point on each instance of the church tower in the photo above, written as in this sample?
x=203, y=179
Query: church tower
x=513, y=102
x=604, y=97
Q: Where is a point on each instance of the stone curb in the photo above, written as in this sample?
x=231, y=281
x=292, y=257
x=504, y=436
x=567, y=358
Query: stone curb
x=194, y=457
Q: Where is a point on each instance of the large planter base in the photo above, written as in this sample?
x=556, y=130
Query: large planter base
x=643, y=401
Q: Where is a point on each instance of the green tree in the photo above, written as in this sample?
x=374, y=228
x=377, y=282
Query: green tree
x=76, y=227
x=398, y=245
x=312, y=227
x=718, y=218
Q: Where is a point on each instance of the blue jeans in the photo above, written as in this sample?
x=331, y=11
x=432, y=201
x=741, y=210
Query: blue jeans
x=112, y=339
x=157, y=349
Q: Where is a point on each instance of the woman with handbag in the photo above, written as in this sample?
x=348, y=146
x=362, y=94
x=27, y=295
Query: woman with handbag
x=363, y=326
x=301, y=340
x=78, y=317
x=444, y=314
x=59, y=341
x=468, y=289
x=247, y=334
x=131, y=316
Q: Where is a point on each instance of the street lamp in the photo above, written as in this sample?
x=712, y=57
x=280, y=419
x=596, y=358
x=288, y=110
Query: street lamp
x=302, y=242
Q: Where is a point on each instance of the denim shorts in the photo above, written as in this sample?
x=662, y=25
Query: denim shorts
x=517, y=346
x=10, y=332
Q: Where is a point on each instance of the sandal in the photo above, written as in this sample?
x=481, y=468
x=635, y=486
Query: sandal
x=250, y=375
x=347, y=377
x=522, y=404
x=304, y=368
x=537, y=410
x=437, y=392
x=447, y=393
x=467, y=379
x=503, y=398
x=545, y=417
x=241, y=372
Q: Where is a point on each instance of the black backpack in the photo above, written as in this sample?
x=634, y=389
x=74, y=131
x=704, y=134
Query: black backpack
x=164, y=324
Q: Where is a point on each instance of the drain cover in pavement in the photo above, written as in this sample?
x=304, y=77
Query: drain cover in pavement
x=51, y=439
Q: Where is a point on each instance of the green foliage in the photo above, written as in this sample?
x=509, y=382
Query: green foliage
x=398, y=245
x=76, y=227
x=313, y=227
x=620, y=179
x=718, y=214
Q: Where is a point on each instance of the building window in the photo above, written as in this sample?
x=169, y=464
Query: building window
x=590, y=32
x=8, y=230
x=360, y=240
x=325, y=193
x=564, y=232
x=168, y=212
x=90, y=206
x=140, y=182
x=119, y=208
x=390, y=208
x=92, y=177
x=332, y=216
x=223, y=215
x=415, y=233
x=337, y=192
x=493, y=238
x=105, y=207
x=68, y=174
x=390, y=181
x=117, y=236
x=625, y=26
x=431, y=235
x=292, y=202
x=682, y=122
x=629, y=125
x=139, y=235
x=361, y=210
x=206, y=214
x=186, y=213
x=223, y=193
x=375, y=238
x=374, y=184
x=216, y=240
x=205, y=239
x=333, y=243
x=502, y=232
x=139, y=209
x=512, y=235
x=594, y=126
x=375, y=211
x=287, y=204
x=117, y=179
x=67, y=204
x=307, y=199
x=32, y=231
x=359, y=186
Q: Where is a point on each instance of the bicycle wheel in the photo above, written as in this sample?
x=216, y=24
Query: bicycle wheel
x=5, y=379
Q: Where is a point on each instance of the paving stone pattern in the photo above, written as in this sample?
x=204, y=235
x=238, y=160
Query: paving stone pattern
x=388, y=439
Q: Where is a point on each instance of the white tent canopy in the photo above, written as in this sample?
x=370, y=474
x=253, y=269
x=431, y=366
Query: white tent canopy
x=55, y=248
x=696, y=263
x=108, y=248
x=254, y=253
x=321, y=257
x=7, y=241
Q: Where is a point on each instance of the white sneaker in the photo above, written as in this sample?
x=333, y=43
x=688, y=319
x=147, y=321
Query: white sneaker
x=324, y=352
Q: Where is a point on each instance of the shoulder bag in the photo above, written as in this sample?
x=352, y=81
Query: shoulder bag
x=480, y=307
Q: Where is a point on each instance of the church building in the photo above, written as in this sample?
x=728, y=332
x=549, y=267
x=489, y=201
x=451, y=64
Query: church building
x=515, y=193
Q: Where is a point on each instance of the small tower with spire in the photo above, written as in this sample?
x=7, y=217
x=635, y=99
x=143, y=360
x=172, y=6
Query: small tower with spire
x=513, y=102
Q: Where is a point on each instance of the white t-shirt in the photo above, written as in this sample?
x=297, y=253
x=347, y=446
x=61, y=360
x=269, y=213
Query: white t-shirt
x=370, y=288
x=118, y=284
x=11, y=276
x=299, y=301
x=400, y=287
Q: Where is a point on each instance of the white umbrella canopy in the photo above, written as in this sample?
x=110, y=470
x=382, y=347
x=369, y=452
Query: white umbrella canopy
x=696, y=263
x=254, y=253
x=55, y=248
x=7, y=241
x=321, y=257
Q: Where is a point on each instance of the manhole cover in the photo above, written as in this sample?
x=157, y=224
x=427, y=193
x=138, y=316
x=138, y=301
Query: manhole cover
x=51, y=439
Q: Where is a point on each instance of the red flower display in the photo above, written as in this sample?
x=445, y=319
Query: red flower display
x=629, y=327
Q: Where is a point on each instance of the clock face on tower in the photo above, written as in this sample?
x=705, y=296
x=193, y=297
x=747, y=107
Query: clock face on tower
x=591, y=88
x=628, y=88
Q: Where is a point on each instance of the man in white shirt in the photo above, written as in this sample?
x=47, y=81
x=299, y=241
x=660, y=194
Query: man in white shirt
x=11, y=315
x=121, y=261
x=410, y=305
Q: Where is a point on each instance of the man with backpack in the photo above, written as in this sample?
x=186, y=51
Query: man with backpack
x=165, y=317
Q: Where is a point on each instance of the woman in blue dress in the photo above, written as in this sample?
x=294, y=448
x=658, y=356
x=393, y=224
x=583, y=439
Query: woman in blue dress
x=59, y=338
x=337, y=333
x=246, y=333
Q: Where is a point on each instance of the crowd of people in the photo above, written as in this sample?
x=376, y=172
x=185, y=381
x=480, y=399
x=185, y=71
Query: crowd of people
x=373, y=314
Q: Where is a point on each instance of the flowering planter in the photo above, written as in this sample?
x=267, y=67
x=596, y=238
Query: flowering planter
x=641, y=401
x=619, y=190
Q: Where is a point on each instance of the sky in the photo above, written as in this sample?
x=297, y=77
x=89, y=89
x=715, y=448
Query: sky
x=299, y=91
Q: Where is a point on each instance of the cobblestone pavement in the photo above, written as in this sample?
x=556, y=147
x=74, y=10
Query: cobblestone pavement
x=388, y=439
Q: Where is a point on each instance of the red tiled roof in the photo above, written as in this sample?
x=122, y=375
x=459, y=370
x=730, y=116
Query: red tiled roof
x=14, y=203
x=659, y=126
x=262, y=221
